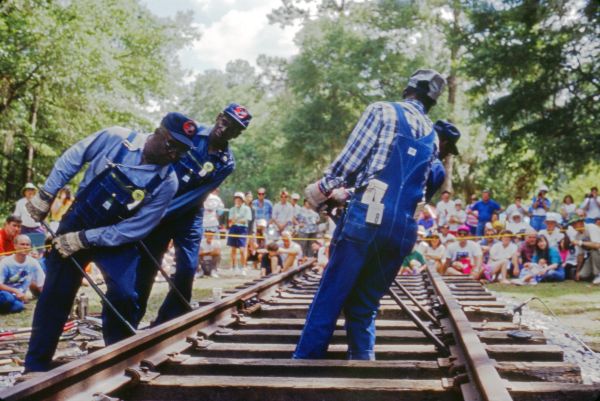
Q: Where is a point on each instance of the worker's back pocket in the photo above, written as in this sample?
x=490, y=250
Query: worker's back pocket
x=355, y=226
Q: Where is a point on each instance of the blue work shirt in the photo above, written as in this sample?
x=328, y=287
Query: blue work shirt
x=100, y=148
x=486, y=209
x=262, y=212
x=224, y=163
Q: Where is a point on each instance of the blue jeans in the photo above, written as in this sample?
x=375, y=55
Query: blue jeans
x=9, y=303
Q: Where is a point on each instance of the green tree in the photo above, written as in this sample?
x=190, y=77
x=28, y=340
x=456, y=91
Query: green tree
x=535, y=67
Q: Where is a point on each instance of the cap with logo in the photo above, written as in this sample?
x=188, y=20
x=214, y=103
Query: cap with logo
x=239, y=113
x=449, y=133
x=428, y=82
x=181, y=127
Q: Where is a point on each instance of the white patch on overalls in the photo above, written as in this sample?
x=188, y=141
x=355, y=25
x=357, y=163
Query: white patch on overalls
x=411, y=151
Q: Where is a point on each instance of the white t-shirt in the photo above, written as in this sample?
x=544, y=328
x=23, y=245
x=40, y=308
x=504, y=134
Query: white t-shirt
x=21, y=275
x=206, y=247
x=499, y=252
x=212, y=205
x=439, y=252
x=21, y=211
x=592, y=211
x=447, y=239
x=457, y=215
x=322, y=258
x=512, y=209
x=519, y=227
x=443, y=209
x=470, y=250
x=294, y=247
x=554, y=238
x=590, y=233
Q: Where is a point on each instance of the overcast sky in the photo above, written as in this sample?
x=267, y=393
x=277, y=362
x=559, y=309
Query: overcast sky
x=231, y=29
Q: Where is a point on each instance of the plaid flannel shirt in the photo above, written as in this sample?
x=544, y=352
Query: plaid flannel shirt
x=370, y=143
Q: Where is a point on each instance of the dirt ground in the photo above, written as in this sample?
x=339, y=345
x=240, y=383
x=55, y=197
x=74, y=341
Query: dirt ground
x=577, y=305
x=202, y=290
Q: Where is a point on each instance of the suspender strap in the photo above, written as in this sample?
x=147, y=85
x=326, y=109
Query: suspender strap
x=124, y=148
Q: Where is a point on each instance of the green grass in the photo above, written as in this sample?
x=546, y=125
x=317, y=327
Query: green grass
x=577, y=304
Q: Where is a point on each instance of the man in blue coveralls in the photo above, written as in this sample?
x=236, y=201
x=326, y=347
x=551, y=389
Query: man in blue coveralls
x=387, y=160
x=199, y=172
x=124, y=193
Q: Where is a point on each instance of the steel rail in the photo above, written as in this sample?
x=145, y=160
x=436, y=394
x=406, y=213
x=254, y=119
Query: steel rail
x=480, y=368
x=106, y=367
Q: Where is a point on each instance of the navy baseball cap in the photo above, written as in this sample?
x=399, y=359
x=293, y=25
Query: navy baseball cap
x=239, y=113
x=449, y=132
x=181, y=127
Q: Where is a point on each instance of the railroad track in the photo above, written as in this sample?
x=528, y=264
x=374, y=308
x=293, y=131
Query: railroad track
x=240, y=347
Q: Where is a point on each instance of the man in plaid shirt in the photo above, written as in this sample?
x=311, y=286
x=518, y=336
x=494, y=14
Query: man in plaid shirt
x=388, y=162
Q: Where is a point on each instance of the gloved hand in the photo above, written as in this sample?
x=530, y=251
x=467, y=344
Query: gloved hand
x=314, y=195
x=69, y=243
x=38, y=206
x=338, y=197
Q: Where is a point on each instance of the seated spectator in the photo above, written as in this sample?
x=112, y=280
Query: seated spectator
x=19, y=272
x=527, y=248
x=435, y=253
x=539, y=208
x=545, y=265
x=457, y=217
x=427, y=221
x=591, y=206
x=413, y=263
x=488, y=241
x=517, y=207
x=271, y=262
x=210, y=255
x=59, y=207
x=29, y=225
x=552, y=230
x=568, y=255
x=516, y=225
x=421, y=243
x=257, y=242
x=587, y=239
x=503, y=255
x=289, y=250
x=445, y=235
x=463, y=257
x=12, y=228
x=567, y=209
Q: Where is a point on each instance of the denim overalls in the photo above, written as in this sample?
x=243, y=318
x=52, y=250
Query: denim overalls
x=366, y=257
x=182, y=224
x=109, y=198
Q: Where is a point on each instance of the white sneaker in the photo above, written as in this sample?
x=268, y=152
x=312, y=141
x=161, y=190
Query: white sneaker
x=596, y=280
x=243, y=271
x=214, y=275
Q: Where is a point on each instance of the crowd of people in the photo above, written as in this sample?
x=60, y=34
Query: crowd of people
x=524, y=243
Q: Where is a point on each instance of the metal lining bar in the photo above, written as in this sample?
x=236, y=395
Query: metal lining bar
x=481, y=369
x=110, y=361
x=439, y=343
x=410, y=296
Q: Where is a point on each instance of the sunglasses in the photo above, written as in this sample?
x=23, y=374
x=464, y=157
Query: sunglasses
x=261, y=193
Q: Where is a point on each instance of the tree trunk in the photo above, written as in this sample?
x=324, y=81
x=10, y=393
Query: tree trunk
x=33, y=114
x=452, y=84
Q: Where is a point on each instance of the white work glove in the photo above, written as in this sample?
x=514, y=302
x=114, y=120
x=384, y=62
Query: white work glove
x=39, y=205
x=339, y=197
x=314, y=196
x=69, y=243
